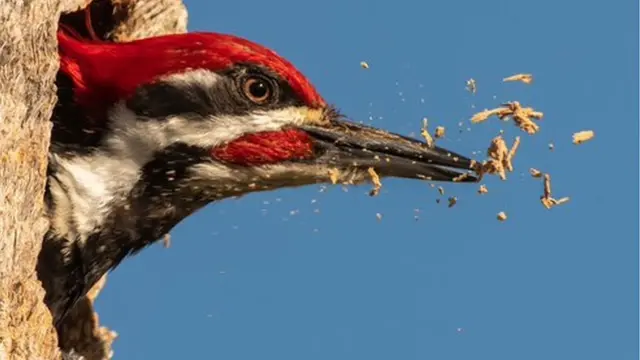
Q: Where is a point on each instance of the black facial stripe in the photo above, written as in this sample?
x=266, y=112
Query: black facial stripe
x=165, y=98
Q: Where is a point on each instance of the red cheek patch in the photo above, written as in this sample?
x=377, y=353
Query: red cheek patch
x=266, y=148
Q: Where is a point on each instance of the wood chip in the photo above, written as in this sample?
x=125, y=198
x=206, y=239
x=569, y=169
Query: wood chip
x=166, y=241
x=521, y=116
x=547, y=185
x=441, y=190
x=551, y=146
x=484, y=115
x=483, y=189
x=471, y=86
x=364, y=64
x=535, y=173
x=440, y=131
x=525, y=78
x=425, y=133
x=546, y=199
x=512, y=152
x=583, y=136
x=500, y=158
x=375, y=179
x=498, y=149
x=452, y=201
x=502, y=216
x=378, y=216
x=551, y=202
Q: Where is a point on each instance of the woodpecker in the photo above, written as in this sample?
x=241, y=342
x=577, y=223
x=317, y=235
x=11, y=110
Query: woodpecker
x=147, y=132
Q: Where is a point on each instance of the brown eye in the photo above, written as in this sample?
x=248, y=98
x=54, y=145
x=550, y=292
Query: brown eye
x=257, y=89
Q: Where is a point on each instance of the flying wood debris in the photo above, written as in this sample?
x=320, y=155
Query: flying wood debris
x=471, y=86
x=379, y=216
x=502, y=216
x=521, y=116
x=535, y=173
x=546, y=199
x=375, y=179
x=441, y=190
x=500, y=158
x=512, y=152
x=425, y=133
x=483, y=189
x=440, y=131
x=364, y=64
x=551, y=202
x=452, y=201
x=166, y=241
x=547, y=185
x=583, y=136
x=525, y=78
x=497, y=153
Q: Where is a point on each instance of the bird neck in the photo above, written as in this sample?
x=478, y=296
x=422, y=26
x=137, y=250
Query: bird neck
x=96, y=222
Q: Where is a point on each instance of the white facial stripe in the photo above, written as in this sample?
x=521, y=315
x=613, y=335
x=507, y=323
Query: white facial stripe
x=130, y=132
x=220, y=130
x=200, y=77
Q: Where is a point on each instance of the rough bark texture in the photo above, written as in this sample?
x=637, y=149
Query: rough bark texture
x=28, y=64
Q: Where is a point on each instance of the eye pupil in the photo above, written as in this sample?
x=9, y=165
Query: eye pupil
x=257, y=90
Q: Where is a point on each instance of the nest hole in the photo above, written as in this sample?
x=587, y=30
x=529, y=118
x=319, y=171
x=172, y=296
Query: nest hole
x=97, y=20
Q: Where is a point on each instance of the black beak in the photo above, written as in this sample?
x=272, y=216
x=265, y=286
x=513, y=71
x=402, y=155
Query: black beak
x=347, y=145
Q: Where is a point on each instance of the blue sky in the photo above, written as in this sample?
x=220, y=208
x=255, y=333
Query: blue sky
x=304, y=274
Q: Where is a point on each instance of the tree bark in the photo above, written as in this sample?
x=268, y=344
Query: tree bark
x=28, y=65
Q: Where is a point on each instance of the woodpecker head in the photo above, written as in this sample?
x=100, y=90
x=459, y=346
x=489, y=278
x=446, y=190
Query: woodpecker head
x=149, y=131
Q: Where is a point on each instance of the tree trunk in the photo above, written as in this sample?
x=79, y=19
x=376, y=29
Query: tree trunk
x=28, y=65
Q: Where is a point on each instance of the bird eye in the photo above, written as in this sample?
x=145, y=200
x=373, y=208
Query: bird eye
x=257, y=89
